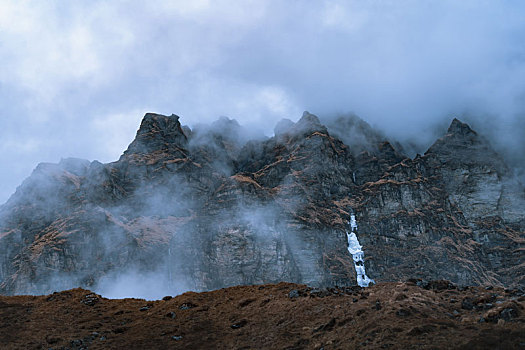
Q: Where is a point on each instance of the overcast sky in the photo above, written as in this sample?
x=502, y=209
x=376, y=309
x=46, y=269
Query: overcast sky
x=76, y=77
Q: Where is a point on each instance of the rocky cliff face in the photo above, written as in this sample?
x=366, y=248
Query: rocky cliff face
x=206, y=208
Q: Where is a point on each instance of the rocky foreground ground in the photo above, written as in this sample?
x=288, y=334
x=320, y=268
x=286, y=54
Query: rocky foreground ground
x=405, y=315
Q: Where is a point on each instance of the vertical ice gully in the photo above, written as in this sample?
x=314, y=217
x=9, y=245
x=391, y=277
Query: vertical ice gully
x=355, y=249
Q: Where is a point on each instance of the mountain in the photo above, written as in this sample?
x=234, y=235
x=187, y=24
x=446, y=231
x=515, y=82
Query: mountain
x=214, y=207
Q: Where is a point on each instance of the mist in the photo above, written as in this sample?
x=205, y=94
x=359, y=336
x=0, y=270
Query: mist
x=76, y=79
x=124, y=229
x=198, y=208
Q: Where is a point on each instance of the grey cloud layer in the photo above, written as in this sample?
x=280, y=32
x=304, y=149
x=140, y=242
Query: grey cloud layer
x=75, y=79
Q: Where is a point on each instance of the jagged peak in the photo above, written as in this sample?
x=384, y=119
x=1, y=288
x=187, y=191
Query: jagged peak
x=158, y=115
x=462, y=146
x=309, y=118
x=459, y=135
x=158, y=131
x=162, y=122
x=457, y=127
x=308, y=123
x=357, y=134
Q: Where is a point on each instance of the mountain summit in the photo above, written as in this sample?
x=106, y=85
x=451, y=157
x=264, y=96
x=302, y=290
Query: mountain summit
x=208, y=208
x=459, y=128
x=158, y=133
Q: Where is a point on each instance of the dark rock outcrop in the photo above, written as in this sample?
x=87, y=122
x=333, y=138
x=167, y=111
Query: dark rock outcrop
x=209, y=208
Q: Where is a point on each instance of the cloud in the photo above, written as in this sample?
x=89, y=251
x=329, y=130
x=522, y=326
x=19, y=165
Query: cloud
x=72, y=73
x=114, y=132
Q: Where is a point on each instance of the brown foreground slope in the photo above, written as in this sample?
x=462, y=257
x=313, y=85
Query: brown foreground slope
x=414, y=314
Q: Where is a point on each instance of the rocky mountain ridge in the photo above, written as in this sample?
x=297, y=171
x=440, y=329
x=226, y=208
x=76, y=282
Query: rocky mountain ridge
x=206, y=208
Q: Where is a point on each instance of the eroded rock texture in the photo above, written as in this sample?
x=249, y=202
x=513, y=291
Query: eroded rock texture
x=208, y=208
